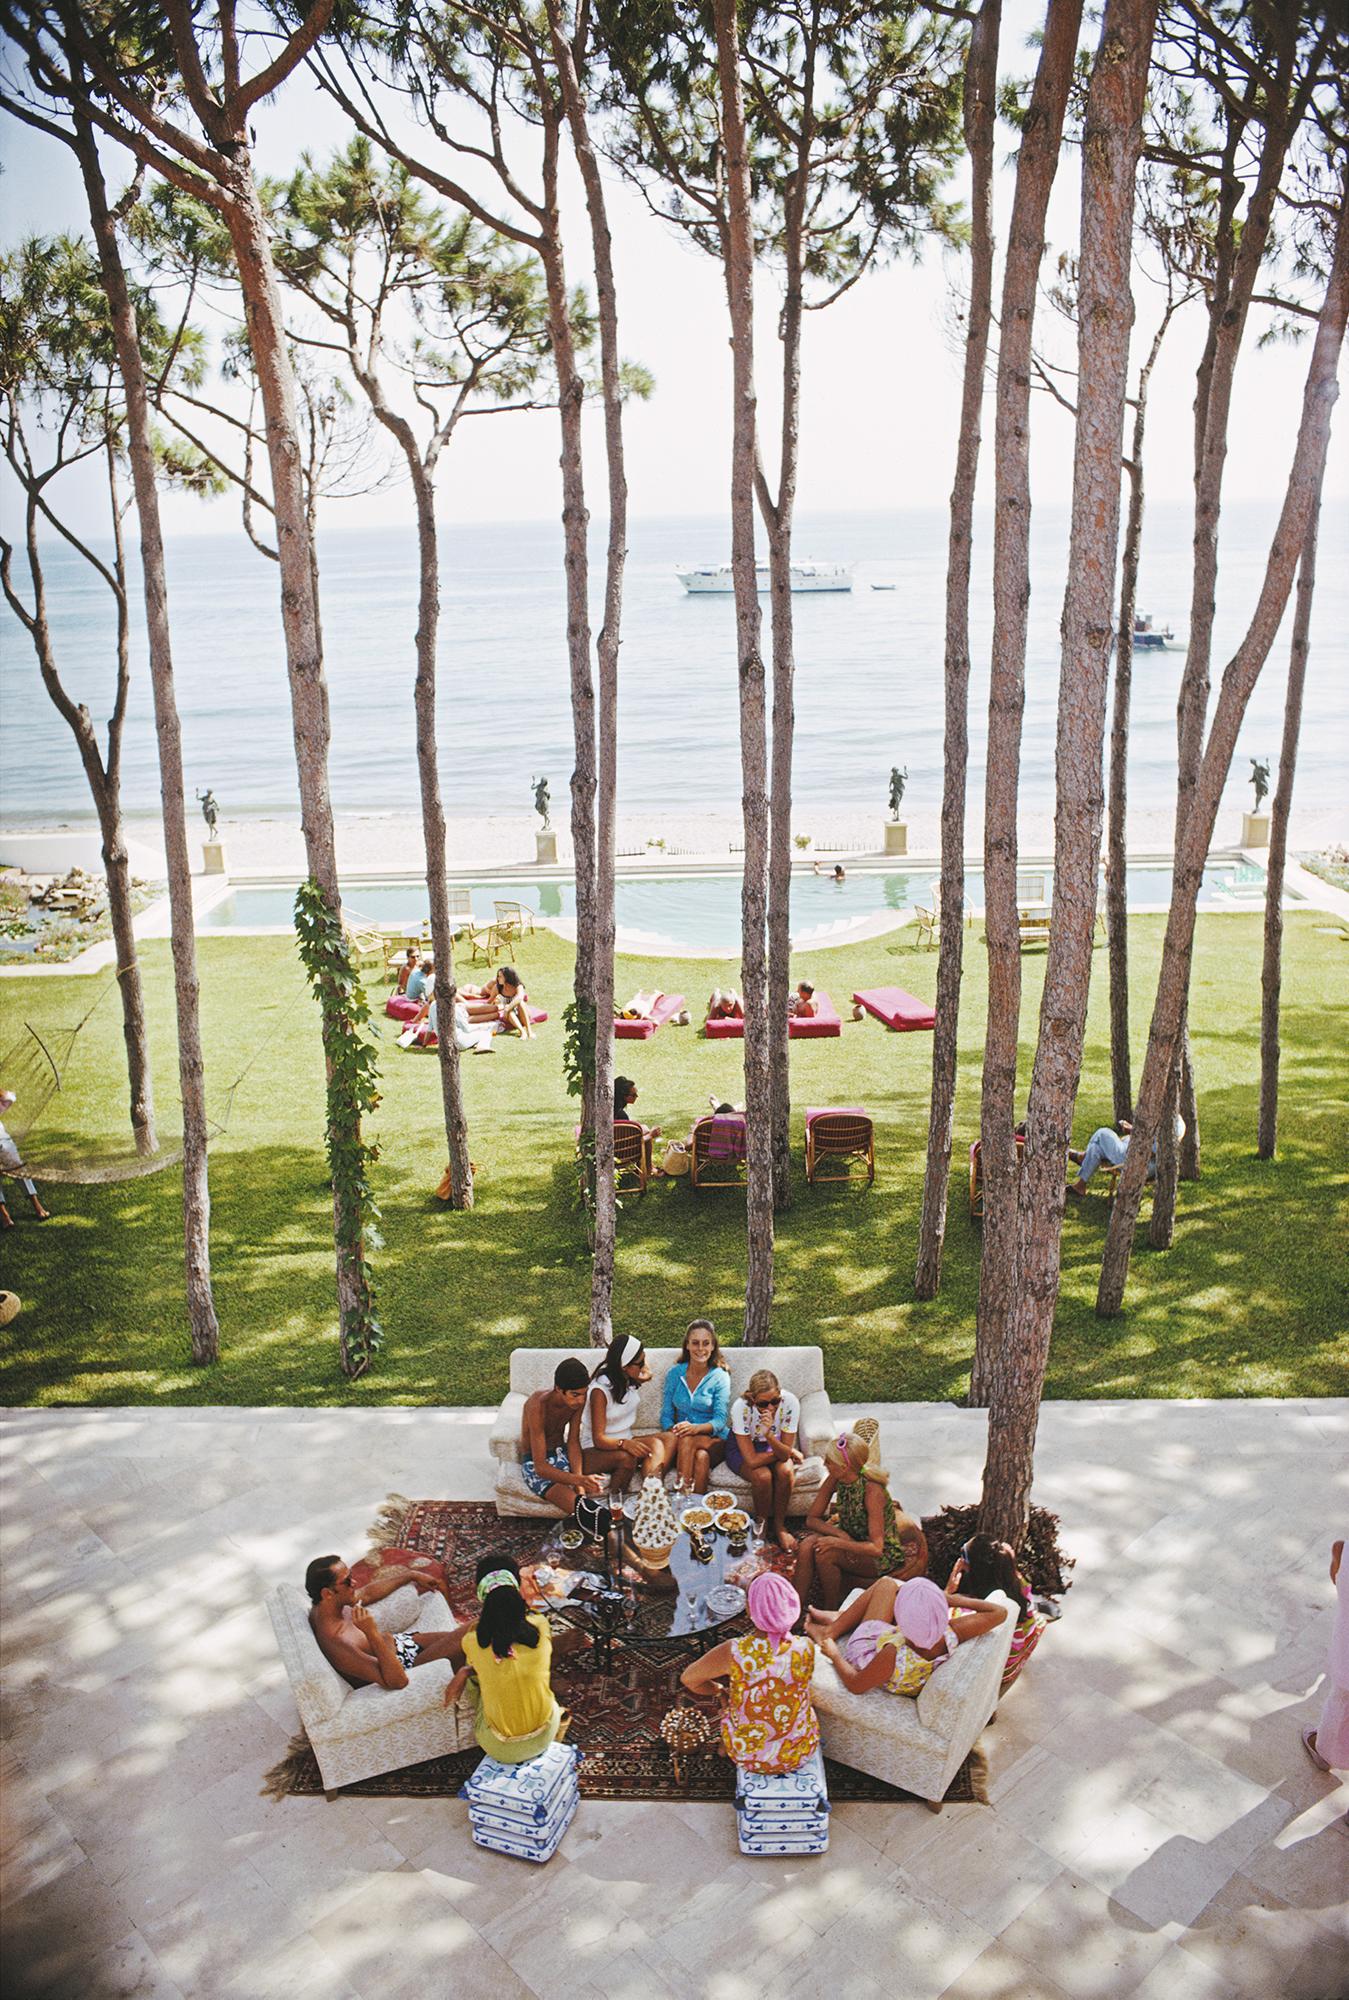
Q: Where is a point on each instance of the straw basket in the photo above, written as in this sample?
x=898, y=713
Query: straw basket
x=9, y=1307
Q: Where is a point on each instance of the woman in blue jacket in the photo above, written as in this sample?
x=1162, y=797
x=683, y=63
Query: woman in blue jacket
x=695, y=1408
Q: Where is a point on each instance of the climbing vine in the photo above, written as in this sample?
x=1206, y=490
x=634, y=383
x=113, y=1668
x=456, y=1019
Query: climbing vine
x=578, y=1070
x=353, y=1090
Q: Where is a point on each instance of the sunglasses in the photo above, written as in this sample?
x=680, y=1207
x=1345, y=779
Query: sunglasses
x=771, y=1403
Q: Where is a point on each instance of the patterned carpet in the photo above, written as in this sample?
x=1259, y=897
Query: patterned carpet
x=615, y=1716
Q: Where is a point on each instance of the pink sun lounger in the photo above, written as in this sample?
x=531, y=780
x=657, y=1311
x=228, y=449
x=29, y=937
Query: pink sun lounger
x=641, y=1030
x=898, y=1009
x=800, y=1028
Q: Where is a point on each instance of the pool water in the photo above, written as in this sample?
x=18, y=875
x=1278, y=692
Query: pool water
x=702, y=912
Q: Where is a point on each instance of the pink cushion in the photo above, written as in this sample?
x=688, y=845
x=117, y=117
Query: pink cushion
x=730, y=1029
x=665, y=1009
x=895, y=1007
x=816, y=1027
x=399, y=1008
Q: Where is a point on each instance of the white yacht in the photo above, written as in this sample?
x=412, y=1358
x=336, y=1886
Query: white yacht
x=805, y=576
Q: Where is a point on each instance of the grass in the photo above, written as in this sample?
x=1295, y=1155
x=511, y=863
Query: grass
x=1250, y=1301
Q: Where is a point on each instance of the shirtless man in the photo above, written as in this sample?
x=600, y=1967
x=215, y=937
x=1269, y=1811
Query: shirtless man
x=803, y=1004
x=349, y=1638
x=550, y=1438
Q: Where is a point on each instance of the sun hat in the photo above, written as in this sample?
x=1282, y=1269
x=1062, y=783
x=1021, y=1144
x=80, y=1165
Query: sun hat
x=922, y=1612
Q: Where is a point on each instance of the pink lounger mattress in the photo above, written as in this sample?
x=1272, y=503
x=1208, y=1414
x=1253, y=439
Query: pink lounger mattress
x=800, y=1028
x=665, y=1009
x=895, y=1007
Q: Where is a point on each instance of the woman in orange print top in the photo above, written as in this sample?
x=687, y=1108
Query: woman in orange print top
x=769, y=1724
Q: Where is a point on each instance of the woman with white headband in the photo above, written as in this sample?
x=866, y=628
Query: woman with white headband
x=855, y=1530
x=509, y=1653
x=609, y=1440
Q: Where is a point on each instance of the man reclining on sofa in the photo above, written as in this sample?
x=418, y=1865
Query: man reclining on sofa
x=350, y=1640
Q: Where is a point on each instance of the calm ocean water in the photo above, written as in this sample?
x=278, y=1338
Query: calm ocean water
x=868, y=683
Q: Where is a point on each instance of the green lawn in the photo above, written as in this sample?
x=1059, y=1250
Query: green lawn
x=1250, y=1301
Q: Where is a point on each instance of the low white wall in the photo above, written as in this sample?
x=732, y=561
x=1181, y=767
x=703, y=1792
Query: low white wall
x=56, y=853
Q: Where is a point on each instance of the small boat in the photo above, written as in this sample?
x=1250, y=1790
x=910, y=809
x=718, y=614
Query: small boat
x=805, y=576
x=1148, y=640
x=884, y=586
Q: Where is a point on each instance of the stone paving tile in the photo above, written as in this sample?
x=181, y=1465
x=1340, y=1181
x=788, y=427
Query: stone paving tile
x=1263, y=1946
x=1080, y=1938
x=127, y=1970
x=417, y=1946
x=984, y=1868
x=913, y=1940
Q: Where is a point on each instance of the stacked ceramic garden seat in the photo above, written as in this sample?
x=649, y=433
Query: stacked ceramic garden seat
x=786, y=1814
x=524, y=1809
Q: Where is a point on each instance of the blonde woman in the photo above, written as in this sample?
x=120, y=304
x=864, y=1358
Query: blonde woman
x=763, y=1450
x=855, y=1531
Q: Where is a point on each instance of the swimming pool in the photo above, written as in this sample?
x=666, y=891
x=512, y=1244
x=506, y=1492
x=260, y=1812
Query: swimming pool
x=692, y=913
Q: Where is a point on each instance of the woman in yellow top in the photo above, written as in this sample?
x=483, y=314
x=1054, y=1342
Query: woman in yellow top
x=509, y=1653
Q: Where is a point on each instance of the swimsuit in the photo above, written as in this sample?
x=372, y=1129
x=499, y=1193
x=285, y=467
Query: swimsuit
x=408, y=1648
x=535, y=1480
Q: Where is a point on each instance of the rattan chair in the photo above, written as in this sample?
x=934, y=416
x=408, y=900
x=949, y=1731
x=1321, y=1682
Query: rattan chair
x=838, y=1138
x=710, y=1166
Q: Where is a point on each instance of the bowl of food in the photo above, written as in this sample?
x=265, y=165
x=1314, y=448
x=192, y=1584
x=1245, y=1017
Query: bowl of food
x=720, y=1503
x=734, y=1521
x=696, y=1519
x=570, y=1539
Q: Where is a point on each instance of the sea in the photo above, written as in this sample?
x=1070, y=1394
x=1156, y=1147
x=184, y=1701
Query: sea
x=868, y=682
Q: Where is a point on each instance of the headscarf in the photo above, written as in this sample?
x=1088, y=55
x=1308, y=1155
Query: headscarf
x=774, y=1606
x=922, y=1612
x=497, y=1579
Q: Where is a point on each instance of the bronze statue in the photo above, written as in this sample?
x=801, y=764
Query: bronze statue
x=210, y=811
x=1260, y=779
x=541, y=800
x=898, y=780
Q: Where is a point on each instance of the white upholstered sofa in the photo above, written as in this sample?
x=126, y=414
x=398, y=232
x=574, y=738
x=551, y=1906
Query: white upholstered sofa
x=359, y=1732
x=919, y=1742
x=800, y=1369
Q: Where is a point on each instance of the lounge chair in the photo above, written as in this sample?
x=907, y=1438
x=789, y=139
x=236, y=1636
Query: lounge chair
x=819, y=1026
x=977, y=1175
x=513, y=920
x=482, y=940
x=632, y=1153
x=841, y=1134
x=718, y=1151
x=927, y=922
x=666, y=1007
x=899, y=1010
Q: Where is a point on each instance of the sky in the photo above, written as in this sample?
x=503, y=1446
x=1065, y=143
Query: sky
x=881, y=375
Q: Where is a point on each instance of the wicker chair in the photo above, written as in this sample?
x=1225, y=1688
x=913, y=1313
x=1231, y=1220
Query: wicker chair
x=632, y=1154
x=714, y=1164
x=839, y=1138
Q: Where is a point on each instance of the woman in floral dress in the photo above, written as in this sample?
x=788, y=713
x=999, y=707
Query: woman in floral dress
x=769, y=1722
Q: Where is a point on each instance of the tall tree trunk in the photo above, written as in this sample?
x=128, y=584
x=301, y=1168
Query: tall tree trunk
x=607, y=648
x=308, y=685
x=1272, y=971
x=433, y=831
x=980, y=112
x=117, y=871
x=1007, y=680
x=1112, y=141
x=1117, y=829
x=1239, y=678
x=779, y=515
x=739, y=262
x=203, y=1326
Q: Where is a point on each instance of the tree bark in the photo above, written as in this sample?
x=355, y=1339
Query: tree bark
x=1006, y=698
x=1112, y=142
x=203, y=1326
x=739, y=261
x=1272, y=971
x=265, y=322
x=980, y=114
x=1239, y=678
x=606, y=659
x=1117, y=834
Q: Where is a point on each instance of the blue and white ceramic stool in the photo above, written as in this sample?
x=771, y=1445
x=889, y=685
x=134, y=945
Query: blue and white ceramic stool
x=788, y=1814
x=524, y=1809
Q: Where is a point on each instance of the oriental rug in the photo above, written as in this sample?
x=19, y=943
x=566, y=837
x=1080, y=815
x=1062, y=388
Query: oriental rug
x=615, y=1716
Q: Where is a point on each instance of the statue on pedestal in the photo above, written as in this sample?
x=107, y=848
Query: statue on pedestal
x=541, y=800
x=210, y=811
x=898, y=780
x=1260, y=779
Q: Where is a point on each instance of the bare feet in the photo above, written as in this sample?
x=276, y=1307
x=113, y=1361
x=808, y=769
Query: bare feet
x=786, y=1542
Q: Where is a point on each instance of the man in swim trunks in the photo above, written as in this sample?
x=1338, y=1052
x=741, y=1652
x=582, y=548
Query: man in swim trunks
x=351, y=1641
x=550, y=1439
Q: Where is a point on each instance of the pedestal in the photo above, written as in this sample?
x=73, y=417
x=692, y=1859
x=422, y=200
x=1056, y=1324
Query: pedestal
x=213, y=858
x=896, y=837
x=545, y=847
x=1255, y=829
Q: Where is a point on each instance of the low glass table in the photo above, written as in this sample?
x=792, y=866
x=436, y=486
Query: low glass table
x=690, y=1603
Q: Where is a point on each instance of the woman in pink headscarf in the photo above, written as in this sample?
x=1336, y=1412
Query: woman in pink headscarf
x=895, y=1635
x=769, y=1723
x=1328, y=1744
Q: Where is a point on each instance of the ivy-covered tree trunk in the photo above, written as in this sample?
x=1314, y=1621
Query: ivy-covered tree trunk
x=202, y=1323
x=739, y=261
x=606, y=660
x=1036, y=165
x=357, y=1332
x=980, y=114
x=1112, y=141
x=1239, y=679
x=1271, y=976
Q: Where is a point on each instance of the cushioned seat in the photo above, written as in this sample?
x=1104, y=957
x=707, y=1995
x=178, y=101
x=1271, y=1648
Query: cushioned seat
x=899, y=1010
x=360, y=1732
